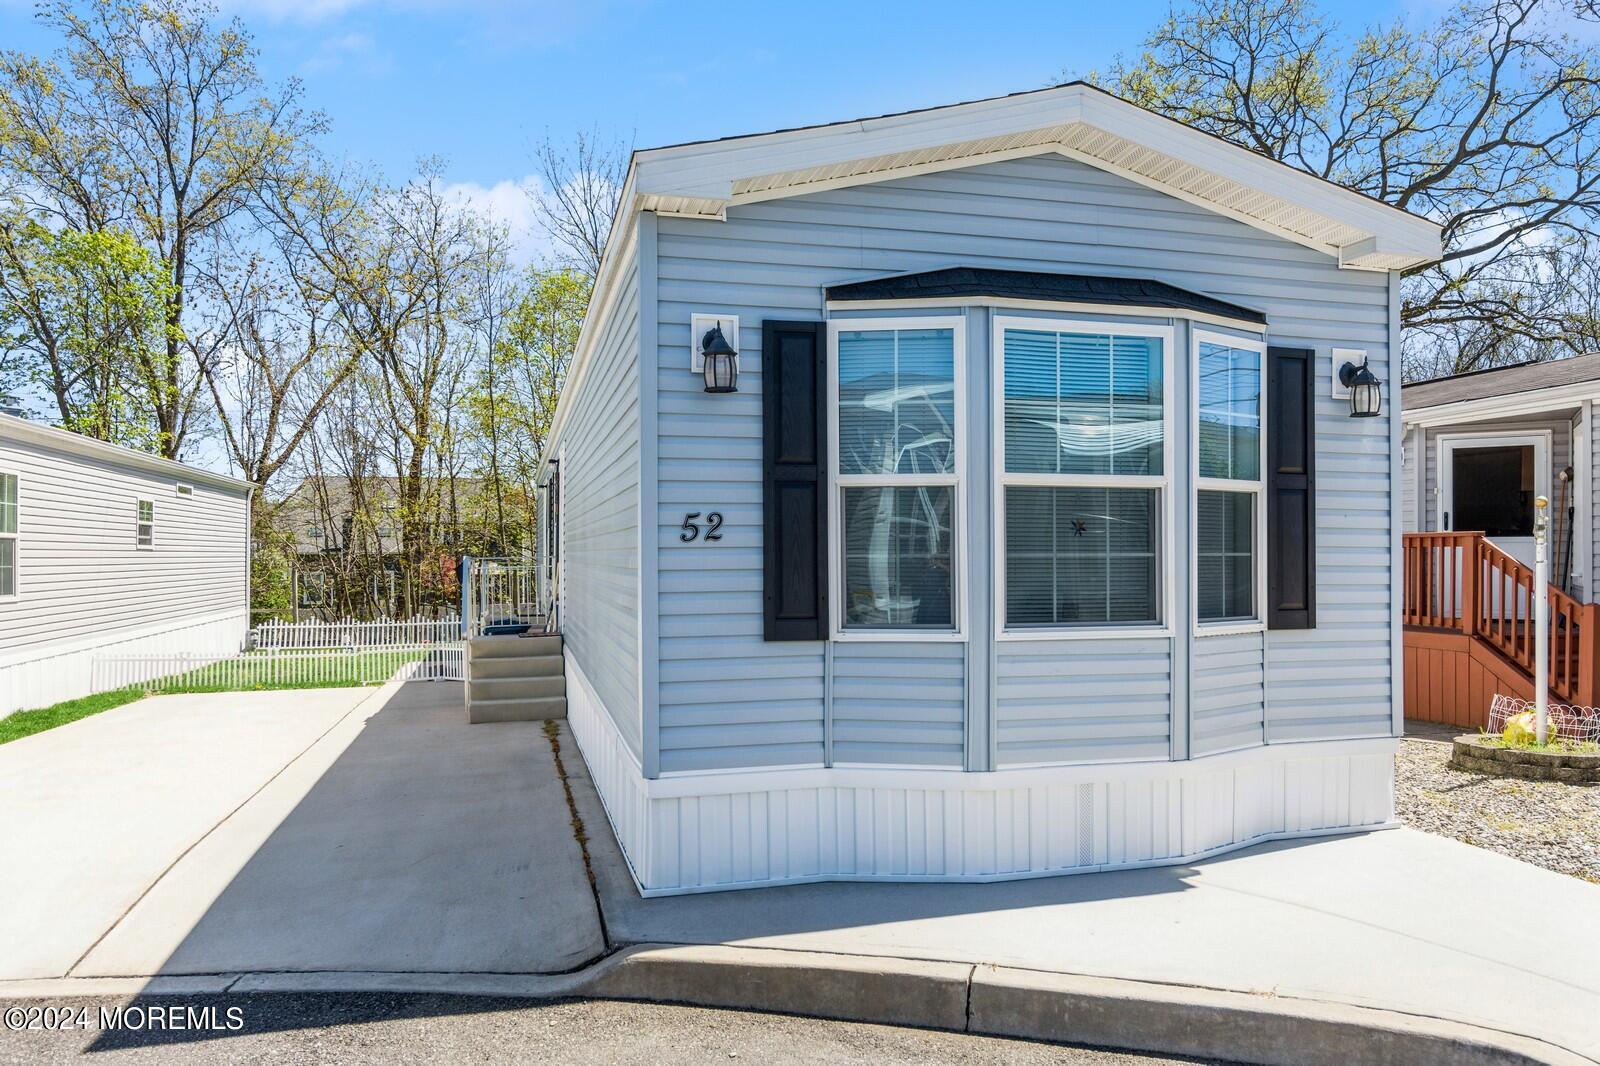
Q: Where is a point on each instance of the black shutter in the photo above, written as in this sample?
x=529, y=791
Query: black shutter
x=1291, y=490
x=794, y=391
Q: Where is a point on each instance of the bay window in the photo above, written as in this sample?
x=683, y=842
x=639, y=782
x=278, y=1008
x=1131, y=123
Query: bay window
x=1082, y=474
x=1229, y=460
x=898, y=441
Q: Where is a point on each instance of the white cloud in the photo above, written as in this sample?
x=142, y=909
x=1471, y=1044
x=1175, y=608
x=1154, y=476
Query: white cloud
x=511, y=204
x=354, y=49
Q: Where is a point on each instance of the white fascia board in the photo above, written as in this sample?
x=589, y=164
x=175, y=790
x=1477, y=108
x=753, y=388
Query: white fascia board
x=1486, y=408
x=701, y=179
x=13, y=428
x=1389, y=228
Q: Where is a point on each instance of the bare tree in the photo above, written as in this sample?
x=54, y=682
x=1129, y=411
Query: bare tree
x=1487, y=121
x=578, y=204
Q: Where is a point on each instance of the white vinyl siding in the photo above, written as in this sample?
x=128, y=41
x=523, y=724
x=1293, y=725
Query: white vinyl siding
x=82, y=585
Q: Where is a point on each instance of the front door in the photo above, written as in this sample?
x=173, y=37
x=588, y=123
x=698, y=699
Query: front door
x=1488, y=482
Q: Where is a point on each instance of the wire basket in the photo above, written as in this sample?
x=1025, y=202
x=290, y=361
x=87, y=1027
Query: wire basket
x=1568, y=724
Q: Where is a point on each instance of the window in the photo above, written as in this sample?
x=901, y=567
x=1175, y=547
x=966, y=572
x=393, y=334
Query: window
x=1229, y=457
x=144, y=530
x=185, y=490
x=313, y=589
x=10, y=508
x=897, y=418
x=1082, y=431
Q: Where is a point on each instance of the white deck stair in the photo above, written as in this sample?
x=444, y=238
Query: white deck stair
x=516, y=679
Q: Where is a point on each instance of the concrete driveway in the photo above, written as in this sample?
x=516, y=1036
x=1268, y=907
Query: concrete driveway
x=318, y=830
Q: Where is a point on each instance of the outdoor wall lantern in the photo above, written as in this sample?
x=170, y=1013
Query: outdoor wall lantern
x=721, y=361
x=1366, y=391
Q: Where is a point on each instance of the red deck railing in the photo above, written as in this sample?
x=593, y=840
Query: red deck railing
x=1462, y=582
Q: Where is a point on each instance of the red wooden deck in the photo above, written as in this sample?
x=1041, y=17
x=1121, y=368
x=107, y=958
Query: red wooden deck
x=1468, y=631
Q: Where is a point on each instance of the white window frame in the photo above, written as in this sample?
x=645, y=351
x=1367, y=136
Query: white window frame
x=1166, y=523
x=16, y=543
x=1257, y=623
x=956, y=480
x=139, y=523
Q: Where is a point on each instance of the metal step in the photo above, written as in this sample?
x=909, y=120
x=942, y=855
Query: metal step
x=516, y=666
x=516, y=710
x=511, y=688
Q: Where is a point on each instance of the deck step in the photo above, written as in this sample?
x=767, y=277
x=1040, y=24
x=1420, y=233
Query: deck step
x=507, y=688
x=516, y=666
x=517, y=647
x=517, y=710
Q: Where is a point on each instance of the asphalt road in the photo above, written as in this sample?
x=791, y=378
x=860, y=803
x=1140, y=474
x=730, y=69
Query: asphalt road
x=345, y=1028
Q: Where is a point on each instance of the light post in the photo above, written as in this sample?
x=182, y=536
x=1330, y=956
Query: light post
x=1541, y=620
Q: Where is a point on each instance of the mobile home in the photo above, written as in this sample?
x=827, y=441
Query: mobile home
x=975, y=493
x=109, y=551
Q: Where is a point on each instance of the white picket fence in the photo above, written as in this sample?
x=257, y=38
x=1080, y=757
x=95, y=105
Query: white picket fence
x=283, y=668
x=315, y=633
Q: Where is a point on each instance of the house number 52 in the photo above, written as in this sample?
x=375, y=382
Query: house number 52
x=691, y=527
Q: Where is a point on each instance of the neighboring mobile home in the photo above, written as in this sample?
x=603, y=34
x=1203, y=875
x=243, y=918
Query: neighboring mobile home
x=1036, y=534
x=106, y=551
x=1479, y=449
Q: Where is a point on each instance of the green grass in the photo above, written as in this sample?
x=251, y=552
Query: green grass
x=308, y=671
x=26, y=723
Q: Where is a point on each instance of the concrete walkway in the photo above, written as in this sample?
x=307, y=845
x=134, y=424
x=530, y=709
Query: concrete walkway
x=372, y=840
x=1396, y=920
x=332, y=829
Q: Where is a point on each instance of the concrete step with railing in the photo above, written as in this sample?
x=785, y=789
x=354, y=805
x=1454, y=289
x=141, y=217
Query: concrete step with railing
x=516, y=679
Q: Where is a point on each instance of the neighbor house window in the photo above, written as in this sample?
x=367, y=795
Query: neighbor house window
x=9, y=514
x=899, y=448
x=144, y=529
x=1083, y=472
x=1228, y=489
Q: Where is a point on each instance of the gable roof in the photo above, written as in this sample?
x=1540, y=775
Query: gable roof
x=702, y=179
x=956, y=282
x=705, y=178
x=1501, y=381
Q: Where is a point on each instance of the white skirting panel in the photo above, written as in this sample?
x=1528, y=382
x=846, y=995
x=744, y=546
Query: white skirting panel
x=50, y=674
x=616, y=773
x=746, y=829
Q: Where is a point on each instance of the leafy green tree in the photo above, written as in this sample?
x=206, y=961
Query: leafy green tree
x=1487, y=120
x=152, y=118
x=90, y=311
x=513, y=398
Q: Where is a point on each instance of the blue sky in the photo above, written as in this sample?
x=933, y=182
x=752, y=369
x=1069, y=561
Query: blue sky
x=477, y=82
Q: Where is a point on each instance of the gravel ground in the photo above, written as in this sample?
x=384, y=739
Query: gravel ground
x=346, y=1028
x=1548, y=824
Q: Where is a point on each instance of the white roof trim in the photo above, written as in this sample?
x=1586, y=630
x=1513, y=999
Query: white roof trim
x=13, y=428
x=1080, y=121
x=1551, y=399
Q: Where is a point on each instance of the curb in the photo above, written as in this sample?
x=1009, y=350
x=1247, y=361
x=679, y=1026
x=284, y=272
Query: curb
x=959, y=997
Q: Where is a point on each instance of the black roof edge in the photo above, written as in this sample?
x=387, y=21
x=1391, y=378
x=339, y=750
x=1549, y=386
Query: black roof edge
x=1474, y=373
x=958, y=282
